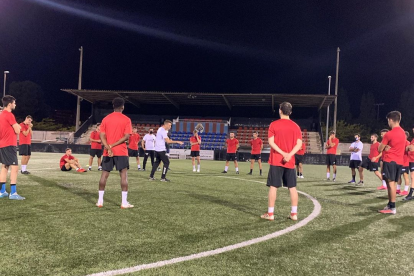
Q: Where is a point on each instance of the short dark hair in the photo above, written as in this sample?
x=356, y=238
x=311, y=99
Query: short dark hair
x=167, y=122
x=67, y=149
x=384, y=130
x=256, y=132
x=357, y=134
x=407, y=134
x=8, y=100
x=331, y=132
x=375, y=135
x=118, y=102
x=29, y=117
x=286, y=108
x=394, y=116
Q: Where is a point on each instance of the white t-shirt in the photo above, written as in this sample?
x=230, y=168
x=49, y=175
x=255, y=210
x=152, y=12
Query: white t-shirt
x=357, y=155
x=160, y=140
x=149, y=140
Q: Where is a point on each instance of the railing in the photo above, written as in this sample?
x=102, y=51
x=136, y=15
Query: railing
x=84, y=127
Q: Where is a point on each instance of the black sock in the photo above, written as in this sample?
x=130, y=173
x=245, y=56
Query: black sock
x=392, y=205
x=300, y=174
x=251, y=170
x=260, y=171
x=411, y=192
x=353, y=178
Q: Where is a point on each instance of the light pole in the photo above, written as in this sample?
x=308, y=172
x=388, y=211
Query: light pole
x=79, y=88
x=327, y=110
x=4, y=85
x=378, y=106
x=336, y=87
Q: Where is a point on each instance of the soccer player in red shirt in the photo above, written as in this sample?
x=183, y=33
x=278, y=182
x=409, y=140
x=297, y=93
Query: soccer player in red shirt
x=299, y=161
x=68, y=162
x=405, y=170
x=115, y=131
x=25, y=141
x=9, y=129
x=394, y=143
x=410, y=152
x=133, y=145
x=195, y=142
x=285, y=139
x=371, y=162
x=96, y=148
x=232, y=146
x=384, y=183
x=256, y=154
x=331, y=146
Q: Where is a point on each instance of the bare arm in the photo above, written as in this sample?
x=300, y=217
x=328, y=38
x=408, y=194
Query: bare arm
x=169, y=141
x=120, y=141
x=381, y=148
x=16, y=128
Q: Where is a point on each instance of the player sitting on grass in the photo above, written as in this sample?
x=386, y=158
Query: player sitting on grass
x=69, y=162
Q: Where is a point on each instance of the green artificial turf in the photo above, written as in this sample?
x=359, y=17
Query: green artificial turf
x=58, y=230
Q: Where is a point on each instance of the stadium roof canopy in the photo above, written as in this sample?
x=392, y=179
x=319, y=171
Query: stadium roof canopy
x=230, y=100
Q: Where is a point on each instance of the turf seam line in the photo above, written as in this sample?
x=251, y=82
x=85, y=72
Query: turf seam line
x=316, y=211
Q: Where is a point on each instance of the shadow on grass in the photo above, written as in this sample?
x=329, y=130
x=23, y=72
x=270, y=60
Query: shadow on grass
x=404, y=224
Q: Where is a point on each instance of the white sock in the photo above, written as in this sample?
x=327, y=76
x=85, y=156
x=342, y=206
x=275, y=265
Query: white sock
x=270, y=209
x=226, y=168
x=99, y=167
x=24, y=168
x=384, y=183
x=194, y=167
x=398, y=187
x=101, y=194
x=124, y=198
x=334, y=175
x=328, y=175
x=139, y=166
x=237, y=169
x=90, y=167
x=294, y=209
x=198, y=167
x=406, y=188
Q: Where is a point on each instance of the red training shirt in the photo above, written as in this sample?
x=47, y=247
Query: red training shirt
x=133, y=141
x=302, y=150
x=232, y=145
x=7, y=135
x=96, y=136
x=25, y=140
x=256, y=146
x=411, y=153
x=115, y=126
x=406, y=159
x=62, y=160
x=396, y=139
x=373, y=150
x=286, y=133
x=196, y=147
x=333, y=149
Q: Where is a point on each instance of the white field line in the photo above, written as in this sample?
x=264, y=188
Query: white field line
x=316, y=211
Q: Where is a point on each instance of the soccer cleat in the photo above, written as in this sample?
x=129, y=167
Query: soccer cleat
x=360, y=184
x=404, y=193
x=328, y=179
x=99, y=204
x=15, y=196
x=99, y=169
x=198, y=170
x=25, y=172
x=301, y=176
x=165, y=180
x=293, y=216
x=249, y=173
x=398, y=192
x=382, y=188
x=151, y=179
x=237, y=172
x=224, y=172
x=194, y=170
x=126, y=206
x=89, y=169
x=410, y=197
x=5, y=194
x=351, y=182
x=267, y=216
x=388, y=210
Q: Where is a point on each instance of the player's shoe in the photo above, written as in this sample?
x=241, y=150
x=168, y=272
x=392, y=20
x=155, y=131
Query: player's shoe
x=398, y=192
x=194, y=170
x=165, y=180
x=249, y=173
x=293, y=216
x=15, y=196
x=260, y=174
x=139, y=169
x=267, y=216
x=224, y=172
x=333, y=179
x=328, y=179
x=99, y=204
x=301, y=176
x=410, y=197
x=5, y=194
x=89, y=169
x=143, y=170
x=25, y=172
x=81, y=171
x=404, y=193
x=151, y=179
x=158, y=169
x=351, y=182
x=360, y=184
x=388, y=210
x=100, y=169
x=237, y=172
x=198, y=170
x=126, y=206
x=382, y=188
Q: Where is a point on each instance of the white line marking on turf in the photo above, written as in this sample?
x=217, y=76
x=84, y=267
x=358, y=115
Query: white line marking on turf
x=316, y=211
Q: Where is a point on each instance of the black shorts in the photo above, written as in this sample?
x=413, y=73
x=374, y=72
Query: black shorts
x=411, y=166
x=63, y=169
x=133, y=153
x=330, y=159
x=25, y=150
x=8, y=156
x=279, y=176
x=405, y=170
x=256, y=157
x=354, y=164
x=369, y=165
x=195, y=153
x=391, y=171
x=120, y=162
x=95, y=152
x=298, y=159
x=231, y=157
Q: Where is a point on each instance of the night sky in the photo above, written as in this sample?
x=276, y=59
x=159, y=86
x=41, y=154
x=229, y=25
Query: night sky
x=210, y=46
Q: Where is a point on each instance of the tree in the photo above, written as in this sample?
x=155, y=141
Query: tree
x=344, y=112
x=367, y=115
x=30, y=100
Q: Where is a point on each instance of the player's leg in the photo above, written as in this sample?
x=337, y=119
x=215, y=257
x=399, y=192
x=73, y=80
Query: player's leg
x=260, y=165
x=410, y=194
x=361, y=174
x=236, y=165
x=102, y=185
x=90, y=162
x=155, y=165
x=193, y=163
x=198, y=163
x=3, y=179
x=152, y=155
x=274, y=181
x=406, y=182
x=145, y=160
x=166, y=162
x=328, y=167
x=251, y=165
x=99, y=163
x=226, y=168
x=13, y=181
